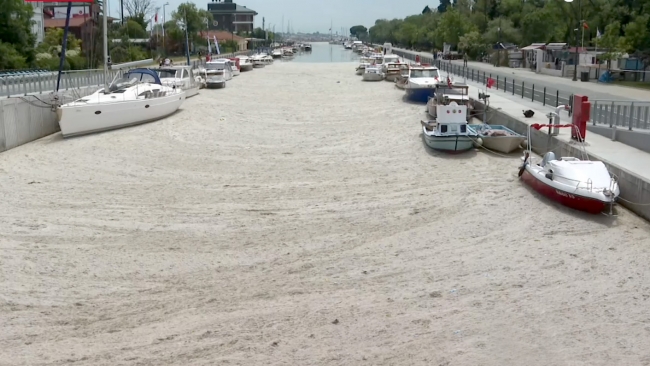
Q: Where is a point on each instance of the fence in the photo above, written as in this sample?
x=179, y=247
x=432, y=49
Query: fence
x=627, y=114
x=45, y=82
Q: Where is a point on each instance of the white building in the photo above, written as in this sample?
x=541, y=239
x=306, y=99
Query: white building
x=37, y=21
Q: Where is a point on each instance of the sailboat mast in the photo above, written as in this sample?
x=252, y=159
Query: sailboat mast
x=105, y=37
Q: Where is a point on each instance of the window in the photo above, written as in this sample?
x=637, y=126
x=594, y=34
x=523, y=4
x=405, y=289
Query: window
x=443, y=128
x=146, y=78
x=463, y=128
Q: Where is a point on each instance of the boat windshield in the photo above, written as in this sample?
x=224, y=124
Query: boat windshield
x=431, y=73
x=123, y=83
x=168, y=73
x=215, y=66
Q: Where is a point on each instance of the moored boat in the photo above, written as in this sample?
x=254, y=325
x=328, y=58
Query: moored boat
x=580, y=184
x=421, y=83
x=499, y=138
x=450, y=131
x=179, y=77
x=373, y=73
x=447, y=92
x=245, y=63
x=135, y=98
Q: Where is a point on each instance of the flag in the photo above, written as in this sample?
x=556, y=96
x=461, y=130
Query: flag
x=156, y=18
x=598, y=34
x=490, y=83
x=216, y=46
x=585, y=25
x=209, y=46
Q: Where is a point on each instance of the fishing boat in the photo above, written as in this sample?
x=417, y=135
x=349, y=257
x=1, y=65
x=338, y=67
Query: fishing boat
x=276, y=53
x=287, y=52
x=580, y=184
x=447, y=92
x=402, y=78
x=499, y=138
x=373, y=73
x=258, y=61
x=421, y=83
x=391, y=70
x=220, y=66
x=215, y=81
x=245, y=63
x=363, y=63
x=133, y=98
x=234, y=61
x=450, y=131
x=180, y=77
x=390, y=58
x=306, y=47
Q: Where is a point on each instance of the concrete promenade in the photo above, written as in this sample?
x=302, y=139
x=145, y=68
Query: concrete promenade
x=565, y=85
x=630, y=165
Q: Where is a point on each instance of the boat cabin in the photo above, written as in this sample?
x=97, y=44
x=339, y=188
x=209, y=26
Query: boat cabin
x=424, y=72
x=451, y=119
x=393, y=68
x=391, y=58
x=175, y=73
x=457, y=92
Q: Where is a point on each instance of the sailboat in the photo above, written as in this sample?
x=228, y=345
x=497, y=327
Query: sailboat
x=132, y=98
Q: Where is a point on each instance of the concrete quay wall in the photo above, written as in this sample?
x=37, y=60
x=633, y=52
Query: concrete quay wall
x=634, y=188
x=28, y=118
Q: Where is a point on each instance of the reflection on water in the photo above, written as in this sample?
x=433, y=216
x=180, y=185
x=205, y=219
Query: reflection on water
x=325, y=52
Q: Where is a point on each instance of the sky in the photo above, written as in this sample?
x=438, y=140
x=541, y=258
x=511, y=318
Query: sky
x=312, y=15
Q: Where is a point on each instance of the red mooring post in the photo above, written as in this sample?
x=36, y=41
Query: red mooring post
x=581, y=113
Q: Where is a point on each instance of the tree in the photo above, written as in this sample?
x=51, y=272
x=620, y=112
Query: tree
x=444, y=6
x=133, y=29
x=138, y=10
x=358, y=30
x=197, y=20
x=473, y=44
x=16, y=33
x=612, y=42
x=426, y=10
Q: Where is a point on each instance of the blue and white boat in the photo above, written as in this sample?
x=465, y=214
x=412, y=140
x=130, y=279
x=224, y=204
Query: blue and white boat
x=421, y=83
x=450, y=132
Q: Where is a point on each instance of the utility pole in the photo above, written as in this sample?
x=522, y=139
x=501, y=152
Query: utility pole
x=121, y=11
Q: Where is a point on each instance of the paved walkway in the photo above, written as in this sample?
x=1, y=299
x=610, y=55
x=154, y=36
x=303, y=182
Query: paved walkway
x=627, y=157
x=564, y=85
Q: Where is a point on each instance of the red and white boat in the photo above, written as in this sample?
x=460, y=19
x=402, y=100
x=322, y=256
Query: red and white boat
x=579, y=184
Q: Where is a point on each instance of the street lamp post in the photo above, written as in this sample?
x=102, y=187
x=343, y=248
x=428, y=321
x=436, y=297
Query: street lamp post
x=163, y=28
x=577, y=56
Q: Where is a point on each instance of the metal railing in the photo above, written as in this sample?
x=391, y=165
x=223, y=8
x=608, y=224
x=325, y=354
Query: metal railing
x=628, y=114
x=45, y=82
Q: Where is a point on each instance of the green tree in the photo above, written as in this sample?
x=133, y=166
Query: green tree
x=358, y=31
x=16, y=33
x=612, y=43
x=444, y=6
x=197, y=20
x=473, y=43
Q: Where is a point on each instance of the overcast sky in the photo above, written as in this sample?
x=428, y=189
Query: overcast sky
x=313, y=15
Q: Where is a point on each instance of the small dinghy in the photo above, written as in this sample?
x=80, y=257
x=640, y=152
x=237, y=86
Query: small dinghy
x=580, y=184
x=499, y=138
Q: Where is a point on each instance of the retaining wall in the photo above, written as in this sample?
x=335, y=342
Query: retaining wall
x=29, y=118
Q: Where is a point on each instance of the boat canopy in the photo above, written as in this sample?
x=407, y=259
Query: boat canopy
x=143, y=75
x=420, y=72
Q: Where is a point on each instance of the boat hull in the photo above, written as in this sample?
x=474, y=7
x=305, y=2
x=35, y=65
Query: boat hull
x=504, y=144
x=215, y=84
x=568, y=199
x=190, y=92
x=360, y=71
x=373, y=77
x=449, y=143
x=420, y=94
x=246, y=67
x=84, y=119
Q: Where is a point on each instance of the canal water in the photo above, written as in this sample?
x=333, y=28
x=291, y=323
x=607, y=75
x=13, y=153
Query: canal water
x=325, y=52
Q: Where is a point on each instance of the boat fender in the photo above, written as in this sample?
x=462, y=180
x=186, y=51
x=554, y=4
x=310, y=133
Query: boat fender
x=522, y=168
x=478, y=142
